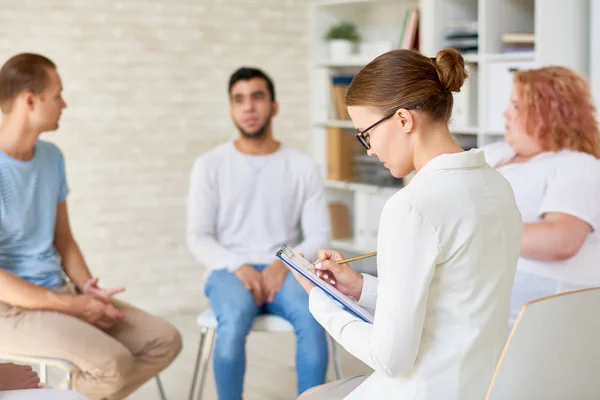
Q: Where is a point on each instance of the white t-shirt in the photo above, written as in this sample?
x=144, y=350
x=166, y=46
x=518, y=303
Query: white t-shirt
x=243, y=208
x=567, y=182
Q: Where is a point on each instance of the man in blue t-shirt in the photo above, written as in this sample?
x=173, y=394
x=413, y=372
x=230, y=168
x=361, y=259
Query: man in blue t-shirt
x=50, y=304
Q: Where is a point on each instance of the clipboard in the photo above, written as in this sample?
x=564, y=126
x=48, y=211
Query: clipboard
x=300, y=264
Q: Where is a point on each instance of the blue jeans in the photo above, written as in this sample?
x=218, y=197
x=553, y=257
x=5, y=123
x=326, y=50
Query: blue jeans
x=235, y=309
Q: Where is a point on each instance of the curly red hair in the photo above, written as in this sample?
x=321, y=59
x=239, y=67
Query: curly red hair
x=557, y=109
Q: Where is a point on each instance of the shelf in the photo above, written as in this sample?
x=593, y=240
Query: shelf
x=360, y=187
x=471, y=58
x=359, y=62
x=337, y=124
x=348, y=124
x=465, y=130
x=479, y=105
x=528, y=56
x=325, y=3
x=333, y=3
x=354, y=62
x=491, y=132
x=348, y=245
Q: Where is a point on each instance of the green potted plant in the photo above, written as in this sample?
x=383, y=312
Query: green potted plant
x=341, y=39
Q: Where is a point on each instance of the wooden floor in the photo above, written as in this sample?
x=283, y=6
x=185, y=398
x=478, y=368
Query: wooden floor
x=270, y=373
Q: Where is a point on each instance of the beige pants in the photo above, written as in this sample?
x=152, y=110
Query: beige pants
x=113, y=363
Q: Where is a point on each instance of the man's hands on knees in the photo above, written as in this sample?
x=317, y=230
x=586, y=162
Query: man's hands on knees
x=263, y=286
x=17, y=377
x=97, y=311
x=251, y=279
x=95, y=305
x=272, y=279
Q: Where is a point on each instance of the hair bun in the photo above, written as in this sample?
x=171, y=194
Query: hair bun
x=450, y=66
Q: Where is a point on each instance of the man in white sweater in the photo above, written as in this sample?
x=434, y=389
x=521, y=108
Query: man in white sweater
x=247, y=198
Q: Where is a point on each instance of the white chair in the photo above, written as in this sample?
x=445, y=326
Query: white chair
x=41, y=394
x=262, y=323
x=68, y=368
x=553, y=351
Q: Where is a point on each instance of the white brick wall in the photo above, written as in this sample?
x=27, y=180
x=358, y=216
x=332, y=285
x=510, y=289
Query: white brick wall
x=146, y=86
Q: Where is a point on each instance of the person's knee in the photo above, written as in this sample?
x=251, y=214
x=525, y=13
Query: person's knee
x=115, y=374
x=231, y=336
x=234, y=321
x=303, y=321
x=124, y=365
x=236, y=318
x=172, y=341
x=231, y=341
x=312, y=339
x=168, y=343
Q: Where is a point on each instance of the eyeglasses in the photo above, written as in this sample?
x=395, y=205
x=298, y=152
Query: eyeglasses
x=360, y=135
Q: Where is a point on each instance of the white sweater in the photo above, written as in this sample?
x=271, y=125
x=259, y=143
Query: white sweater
x=447, y=250
x=243, y=208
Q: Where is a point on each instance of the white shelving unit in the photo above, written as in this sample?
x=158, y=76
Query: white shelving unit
x=595, y=50
x=562, y=37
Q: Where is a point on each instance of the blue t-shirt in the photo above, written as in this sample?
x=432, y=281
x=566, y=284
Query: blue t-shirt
x=29, y=194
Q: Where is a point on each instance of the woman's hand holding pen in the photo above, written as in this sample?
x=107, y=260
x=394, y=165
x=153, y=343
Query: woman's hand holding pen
x=341, y=276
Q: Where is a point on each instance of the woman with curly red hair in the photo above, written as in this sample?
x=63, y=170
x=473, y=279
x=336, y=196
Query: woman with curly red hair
x=550, y=157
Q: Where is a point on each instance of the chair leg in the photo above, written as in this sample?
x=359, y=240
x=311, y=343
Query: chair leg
x=206, y=359
x=70, y=380
x=336, y=358
x=203, y=333
x=161, y=389
x=44, y=374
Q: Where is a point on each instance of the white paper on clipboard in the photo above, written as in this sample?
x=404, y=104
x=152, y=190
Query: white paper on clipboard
x=300, y=264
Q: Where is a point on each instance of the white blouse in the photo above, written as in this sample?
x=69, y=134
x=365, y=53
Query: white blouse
x=447, y=251
x=565, y=182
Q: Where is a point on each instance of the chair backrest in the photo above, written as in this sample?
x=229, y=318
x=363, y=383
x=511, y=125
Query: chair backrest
x=553, y=351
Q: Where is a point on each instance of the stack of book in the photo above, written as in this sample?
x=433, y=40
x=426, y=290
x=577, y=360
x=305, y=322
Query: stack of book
x=341, y=146
x=347, y=161
x=339, y=84
x=518, y=42
x=370, y=170
x=409, y=38
x=462, y=35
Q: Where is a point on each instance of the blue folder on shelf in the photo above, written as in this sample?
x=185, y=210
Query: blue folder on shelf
x=300, y=264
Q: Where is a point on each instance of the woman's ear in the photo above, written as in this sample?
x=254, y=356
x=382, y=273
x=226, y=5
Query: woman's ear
x=406, y=120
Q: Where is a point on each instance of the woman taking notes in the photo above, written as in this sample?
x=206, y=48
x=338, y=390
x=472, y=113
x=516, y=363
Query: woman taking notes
x=447, y=248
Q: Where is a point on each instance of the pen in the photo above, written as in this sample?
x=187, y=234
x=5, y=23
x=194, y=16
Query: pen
x=347, y=260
